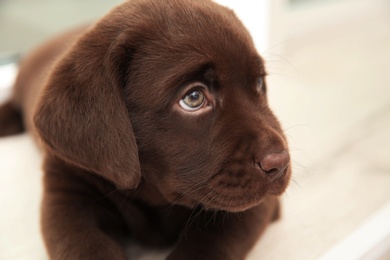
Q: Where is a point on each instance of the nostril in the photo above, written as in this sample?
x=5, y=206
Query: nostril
x=272, y=171
x=275, y=164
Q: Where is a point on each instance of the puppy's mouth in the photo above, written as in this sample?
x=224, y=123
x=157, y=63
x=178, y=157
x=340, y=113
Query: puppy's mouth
x=233, y=192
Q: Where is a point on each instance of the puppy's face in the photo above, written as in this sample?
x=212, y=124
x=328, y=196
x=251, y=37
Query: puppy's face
x=196, y=97
x=173, y=92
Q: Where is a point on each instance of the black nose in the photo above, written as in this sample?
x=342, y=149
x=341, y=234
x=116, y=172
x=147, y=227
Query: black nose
x=275, y=164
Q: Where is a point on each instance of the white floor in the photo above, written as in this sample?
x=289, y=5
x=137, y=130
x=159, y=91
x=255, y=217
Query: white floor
x=332, y=94
x=334, y=101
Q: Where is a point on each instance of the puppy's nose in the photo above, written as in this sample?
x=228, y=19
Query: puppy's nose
x=275, y=164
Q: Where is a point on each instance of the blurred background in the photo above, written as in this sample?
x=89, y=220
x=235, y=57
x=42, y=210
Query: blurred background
x=329, y=84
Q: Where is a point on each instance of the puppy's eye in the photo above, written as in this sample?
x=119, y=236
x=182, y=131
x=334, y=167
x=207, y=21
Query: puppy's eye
x=259, y=86
x=193, y=100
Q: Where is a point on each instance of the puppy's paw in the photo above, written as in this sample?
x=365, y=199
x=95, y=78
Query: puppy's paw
x=10, y=120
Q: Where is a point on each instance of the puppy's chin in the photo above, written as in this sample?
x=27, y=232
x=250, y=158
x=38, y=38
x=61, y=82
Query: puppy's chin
x=222, y=192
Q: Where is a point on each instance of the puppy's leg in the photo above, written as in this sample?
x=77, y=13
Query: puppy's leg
x=78, y=222
x=10, y=120
x=228, y=236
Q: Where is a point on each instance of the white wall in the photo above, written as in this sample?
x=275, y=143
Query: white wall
x=256, y=17
x=274, y=21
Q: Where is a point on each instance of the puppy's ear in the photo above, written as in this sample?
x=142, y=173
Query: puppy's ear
x=81, y=115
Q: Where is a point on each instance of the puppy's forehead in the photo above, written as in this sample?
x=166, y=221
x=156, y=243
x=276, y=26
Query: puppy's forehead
x=182, y=37
x=201, y=31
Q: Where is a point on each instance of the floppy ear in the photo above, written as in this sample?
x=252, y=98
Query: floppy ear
x=81, y=115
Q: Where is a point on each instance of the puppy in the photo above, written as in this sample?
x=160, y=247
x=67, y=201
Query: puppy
x=155, y=124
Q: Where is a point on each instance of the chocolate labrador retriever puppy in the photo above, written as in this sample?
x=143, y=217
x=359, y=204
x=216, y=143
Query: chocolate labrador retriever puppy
x=154, y=123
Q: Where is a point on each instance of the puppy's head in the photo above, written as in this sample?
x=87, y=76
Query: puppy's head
x=173, y=92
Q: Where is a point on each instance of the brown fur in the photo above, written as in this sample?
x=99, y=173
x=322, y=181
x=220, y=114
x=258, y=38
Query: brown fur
x=122, y=157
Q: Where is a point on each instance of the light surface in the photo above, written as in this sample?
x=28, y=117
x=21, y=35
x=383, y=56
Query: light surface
x=331, y=92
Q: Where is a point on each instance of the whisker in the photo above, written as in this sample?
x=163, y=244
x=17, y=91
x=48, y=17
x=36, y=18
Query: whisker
x=275, y=45
x=106, y=195
x=192, y=218
x=191, y=190
x=295, y=126
x=213, y=216
x=287, y=62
